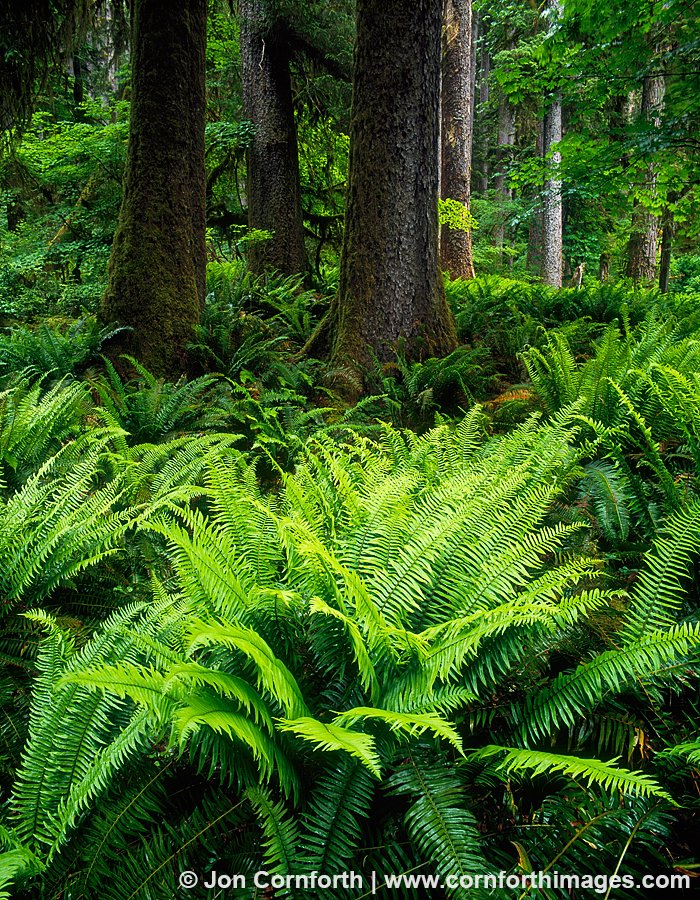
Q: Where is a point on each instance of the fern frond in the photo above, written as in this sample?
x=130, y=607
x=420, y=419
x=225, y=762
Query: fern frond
x=659, y=592
x=438, y=820
x=333, y=737
x=412, y=724
x=340, y=801
x=281, y=832
x=594, y=771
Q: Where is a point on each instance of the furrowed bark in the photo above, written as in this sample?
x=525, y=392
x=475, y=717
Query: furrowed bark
x=456, y=132
x=274, y=193
x=390, y=287
x=157, y=268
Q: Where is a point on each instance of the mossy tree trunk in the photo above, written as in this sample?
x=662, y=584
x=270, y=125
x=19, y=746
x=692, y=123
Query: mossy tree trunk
x=390, y=287
x=274, y=193
x=456, y=133
x=157, y=269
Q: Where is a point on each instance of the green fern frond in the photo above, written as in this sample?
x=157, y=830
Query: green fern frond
x=438, y=820
x=412, y=724
x=271, y=672
x=572, y=694
x=333, y=737
x=594, y=771
x=339, y=804
x=606, y=487
x=659, y=592
x=281, y=832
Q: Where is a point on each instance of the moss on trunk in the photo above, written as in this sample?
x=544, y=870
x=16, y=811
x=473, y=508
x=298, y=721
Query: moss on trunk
x=390, y=286
x=274, y=192
x=157, y=269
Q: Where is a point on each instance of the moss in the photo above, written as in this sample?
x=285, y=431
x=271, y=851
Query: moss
x=390, y=286
x=157, y=266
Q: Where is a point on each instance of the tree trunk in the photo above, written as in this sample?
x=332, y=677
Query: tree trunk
x=668, y=233
x=504, y=153
x=474, y=43
x=274, y=194
x=157, y=268
x=536, y=230
x=552, y=212
x=483, y=125
x=642, y=246
x=552, y=207
x=390, y=288
x=456, y=133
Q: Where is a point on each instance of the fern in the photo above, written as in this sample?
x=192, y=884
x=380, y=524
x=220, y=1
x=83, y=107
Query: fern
x=339, y=803
x=443, y=830
x=659, y=592
x=307, y=643
x=605, y=774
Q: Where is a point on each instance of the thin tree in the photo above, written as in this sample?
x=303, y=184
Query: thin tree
x=535, y=231
x=551, y=204
x=642, y=246
x=505, y=141
x=484, y=71
x=456, y=132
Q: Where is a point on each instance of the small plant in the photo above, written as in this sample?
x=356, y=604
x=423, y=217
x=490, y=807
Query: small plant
x=151, y=409
x=60, y=350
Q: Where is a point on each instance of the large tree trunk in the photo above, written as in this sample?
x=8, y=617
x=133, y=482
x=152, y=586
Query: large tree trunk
x=456, y=133
x=505, y=141
x=642, y=246
x=274, y=194
x=390, y=288
x=157, y=269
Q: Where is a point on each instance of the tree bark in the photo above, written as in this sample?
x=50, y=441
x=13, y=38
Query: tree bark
x=157, y=268
x=552, y=205
x=642, y=246
x=274, y=193
x=552, y=209
x=483, y=125
x=505, y=141
x=456, y=133
x=536, y=229
x=390, y=287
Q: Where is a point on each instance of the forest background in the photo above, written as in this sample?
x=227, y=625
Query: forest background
x=342, y=529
